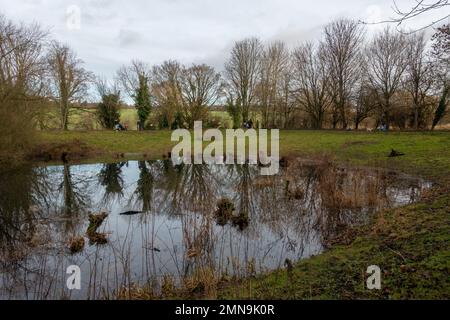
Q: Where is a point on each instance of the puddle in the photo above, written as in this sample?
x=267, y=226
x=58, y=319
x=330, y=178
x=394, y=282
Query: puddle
x=172, y=227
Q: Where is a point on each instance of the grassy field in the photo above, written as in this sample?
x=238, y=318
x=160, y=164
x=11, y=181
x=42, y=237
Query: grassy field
x=425, y=153
x=85, y=119
x=410, y=244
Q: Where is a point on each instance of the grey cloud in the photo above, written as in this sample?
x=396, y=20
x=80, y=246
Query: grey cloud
x=128, y=37
x=113, y=32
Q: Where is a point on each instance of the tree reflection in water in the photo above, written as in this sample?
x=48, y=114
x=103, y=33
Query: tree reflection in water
x=291, y=215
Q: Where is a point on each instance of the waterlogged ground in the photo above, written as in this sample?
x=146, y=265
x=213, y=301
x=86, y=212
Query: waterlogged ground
x=179, y=236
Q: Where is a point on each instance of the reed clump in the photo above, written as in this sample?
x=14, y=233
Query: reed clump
x=136, y=292
x=76, y=244
x=224, y=211
x=241, y=220
x=95, y=221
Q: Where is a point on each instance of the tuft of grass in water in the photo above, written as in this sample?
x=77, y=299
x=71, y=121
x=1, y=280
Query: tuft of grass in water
x=76, y=244
x=95, y=221
x=224, y=211
x=241, y=220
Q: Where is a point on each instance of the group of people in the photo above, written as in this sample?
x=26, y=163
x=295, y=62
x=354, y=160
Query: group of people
x=119, y=127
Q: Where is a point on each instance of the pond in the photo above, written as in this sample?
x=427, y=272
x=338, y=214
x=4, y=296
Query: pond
x=175, y=230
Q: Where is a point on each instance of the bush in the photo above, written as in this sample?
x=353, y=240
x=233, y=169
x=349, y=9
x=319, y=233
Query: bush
x=108, y=110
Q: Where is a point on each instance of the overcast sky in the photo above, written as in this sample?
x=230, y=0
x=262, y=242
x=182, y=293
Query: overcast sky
x=113, y=32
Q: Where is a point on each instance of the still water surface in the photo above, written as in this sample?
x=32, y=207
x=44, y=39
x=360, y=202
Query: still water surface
x=290, y=216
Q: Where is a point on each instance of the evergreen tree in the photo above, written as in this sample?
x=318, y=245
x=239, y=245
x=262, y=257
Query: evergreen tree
x=142, y=101
x=108, y=110
x=441, y=109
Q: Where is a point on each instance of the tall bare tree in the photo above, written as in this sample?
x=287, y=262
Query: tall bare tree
x=441, y=65
x=166, y=89
x=68, y=79
x=366, y=101
x=274, y=62
x=386, y=66
x=287, y=101
x=128, y=76
x=200, y=89
x=22, y=67
x=343, y=41
x=311, y=82
x=242, y=71
x=135, y=81
x=419, y=78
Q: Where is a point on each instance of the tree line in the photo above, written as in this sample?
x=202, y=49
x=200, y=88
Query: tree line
x=343, y=78
x=337, y=81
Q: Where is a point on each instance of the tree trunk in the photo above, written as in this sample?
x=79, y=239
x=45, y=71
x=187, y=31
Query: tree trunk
x=356, y=124
x=416, y=116
x=343, y=117
x=64, y=116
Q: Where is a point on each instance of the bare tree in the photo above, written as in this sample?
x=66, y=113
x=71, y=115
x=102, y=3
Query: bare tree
x=200, y=89
x=441, y=54
x=311, y=82
x=417, y=8
x=242, y=71
x=105, y=87
x=22, y=67
x=342, y=44
x=166, y=89
x=128, y=77
x=68, y=79
x=419, y=78
x=287, y=101
x=441, y=69
x=366, y=101
x=386, y=65
x=274, y=62
x=135, y=81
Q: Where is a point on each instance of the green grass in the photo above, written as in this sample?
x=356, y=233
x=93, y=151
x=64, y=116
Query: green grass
x=224, y=117
x=85, y=119
x=110, y=143
x=426, y=153
x=409, y=244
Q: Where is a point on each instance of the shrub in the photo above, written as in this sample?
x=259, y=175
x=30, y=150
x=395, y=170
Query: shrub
x=108, y=110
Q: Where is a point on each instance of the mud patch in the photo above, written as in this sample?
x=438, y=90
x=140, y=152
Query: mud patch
x=65, y=152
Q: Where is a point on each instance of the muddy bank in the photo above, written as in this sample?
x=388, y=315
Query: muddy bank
x=74, y=150
x=78, y=152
